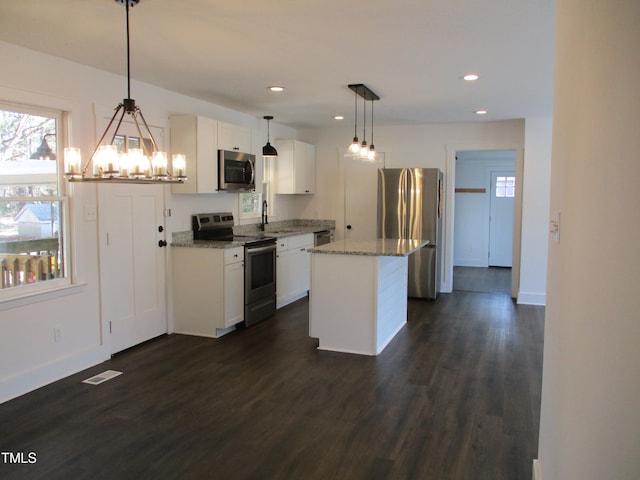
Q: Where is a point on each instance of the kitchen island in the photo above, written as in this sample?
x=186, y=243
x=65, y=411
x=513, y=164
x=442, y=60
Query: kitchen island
x=358, y=297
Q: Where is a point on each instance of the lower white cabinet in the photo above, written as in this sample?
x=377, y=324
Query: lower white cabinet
x=233, y=286
x=293, y=268
x=208, y=290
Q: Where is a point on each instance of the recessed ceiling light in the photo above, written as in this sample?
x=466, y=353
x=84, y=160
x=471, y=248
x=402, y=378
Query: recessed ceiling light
x=470, y=77
x=338, y=117
x=480, y=112
x=275, y=88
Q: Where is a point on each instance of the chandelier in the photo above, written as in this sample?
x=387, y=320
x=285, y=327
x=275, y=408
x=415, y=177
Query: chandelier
x=134, y=165
x=356, y=149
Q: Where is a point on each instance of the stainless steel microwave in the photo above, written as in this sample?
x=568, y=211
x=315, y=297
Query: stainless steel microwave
x=236, y=171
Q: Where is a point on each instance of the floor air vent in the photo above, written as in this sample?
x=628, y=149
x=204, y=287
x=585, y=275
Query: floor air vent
x=102, y=377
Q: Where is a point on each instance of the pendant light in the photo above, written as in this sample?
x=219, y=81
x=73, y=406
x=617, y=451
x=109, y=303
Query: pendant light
x=134, y=165
x=269, y=150
x=354, y=148
x=361, y=150
x=44, y=151
x=372, y=149
x=364, y=150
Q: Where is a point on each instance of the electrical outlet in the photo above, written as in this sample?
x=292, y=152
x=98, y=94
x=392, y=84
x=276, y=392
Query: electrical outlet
x=57, y=334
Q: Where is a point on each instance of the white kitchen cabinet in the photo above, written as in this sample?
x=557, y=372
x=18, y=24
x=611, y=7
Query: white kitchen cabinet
x=197, y=138
x=208, y=290
x=296, y=167
x=233, y=286
x=293, y=268
x=282, y=279
x=234, y=137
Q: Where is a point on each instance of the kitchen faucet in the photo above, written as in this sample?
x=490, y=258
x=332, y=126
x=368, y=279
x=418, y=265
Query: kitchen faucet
x=263, y=219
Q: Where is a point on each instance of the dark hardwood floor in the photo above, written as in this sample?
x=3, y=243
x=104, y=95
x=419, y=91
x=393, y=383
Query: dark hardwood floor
x=456, y=395
x=482, y=279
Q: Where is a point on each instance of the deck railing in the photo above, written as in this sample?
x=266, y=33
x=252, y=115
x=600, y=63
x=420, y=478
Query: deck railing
x=29, y=261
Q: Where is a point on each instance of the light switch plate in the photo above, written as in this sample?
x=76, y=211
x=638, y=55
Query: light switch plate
x=90, y=213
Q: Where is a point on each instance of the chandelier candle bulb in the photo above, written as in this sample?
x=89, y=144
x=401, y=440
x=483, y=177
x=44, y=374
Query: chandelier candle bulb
x=179, y=165
x=124, y=165
x=105, y=161
x=72, y=162
x=159, y=164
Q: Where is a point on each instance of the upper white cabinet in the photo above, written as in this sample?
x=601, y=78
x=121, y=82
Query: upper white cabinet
x=296, y=167
x=197, y=138
x=234, y=137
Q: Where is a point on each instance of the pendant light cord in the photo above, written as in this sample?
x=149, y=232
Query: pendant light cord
x=355, y=127
x=372, y=121
x=364, y=117
x=128, y=55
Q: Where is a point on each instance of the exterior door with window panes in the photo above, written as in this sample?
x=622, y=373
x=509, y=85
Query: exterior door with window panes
x=32, y=206
x=503, y=187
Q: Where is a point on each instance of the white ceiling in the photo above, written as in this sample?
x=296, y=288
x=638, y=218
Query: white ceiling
x=412, y=53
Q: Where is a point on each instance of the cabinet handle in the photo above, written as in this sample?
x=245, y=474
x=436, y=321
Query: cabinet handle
x=162, y=243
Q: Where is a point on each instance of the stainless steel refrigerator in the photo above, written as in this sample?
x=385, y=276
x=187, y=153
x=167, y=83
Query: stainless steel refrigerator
x=410, y=205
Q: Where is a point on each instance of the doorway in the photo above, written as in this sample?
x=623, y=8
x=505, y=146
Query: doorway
x=485, y=187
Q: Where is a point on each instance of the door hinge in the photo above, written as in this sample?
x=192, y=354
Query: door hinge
x=110, y=329
x=167, y=212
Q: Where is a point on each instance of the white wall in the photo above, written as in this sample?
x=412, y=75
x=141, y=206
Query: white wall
x=535, y=211
x=429, y=145
x=589, y=424
x=29, y=357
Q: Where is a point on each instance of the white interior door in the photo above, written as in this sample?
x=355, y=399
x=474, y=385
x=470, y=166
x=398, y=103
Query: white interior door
x=361, y=197
x=132, y=266
x=501, y=220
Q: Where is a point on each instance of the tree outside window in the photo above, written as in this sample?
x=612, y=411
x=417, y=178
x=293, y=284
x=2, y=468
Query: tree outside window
x=31, y=207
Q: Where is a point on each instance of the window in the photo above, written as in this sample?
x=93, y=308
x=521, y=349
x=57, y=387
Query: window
x=32, y=207
x=505, y=186
x=250, y=205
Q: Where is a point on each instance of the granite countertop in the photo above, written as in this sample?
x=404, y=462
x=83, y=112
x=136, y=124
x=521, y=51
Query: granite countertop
x=376, y=247
x=207, y=243
x=276, y=229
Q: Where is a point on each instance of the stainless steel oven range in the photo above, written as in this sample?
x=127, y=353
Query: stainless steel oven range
x=259, y=262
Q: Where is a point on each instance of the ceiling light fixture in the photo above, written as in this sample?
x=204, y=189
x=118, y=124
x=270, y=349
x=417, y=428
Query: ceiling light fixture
x=354, y=148
x=372, y=149
x=338, y=117
x=133, y=165
x=357, y=150
x=44, y=151
x=471, y=77
x=276, y=88
x=480, y=112
x=269, y=150
x=364, y=150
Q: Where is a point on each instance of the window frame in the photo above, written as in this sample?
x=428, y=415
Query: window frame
x=62, y=119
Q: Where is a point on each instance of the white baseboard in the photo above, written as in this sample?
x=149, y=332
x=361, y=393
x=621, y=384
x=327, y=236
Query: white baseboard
x=33, y=379
x=537, y=474
x=531, y=298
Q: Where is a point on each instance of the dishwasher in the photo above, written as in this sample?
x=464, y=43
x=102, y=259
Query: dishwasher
x=322, y=237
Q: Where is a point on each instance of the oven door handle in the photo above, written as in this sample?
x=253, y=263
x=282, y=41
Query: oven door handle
x=261, y=249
